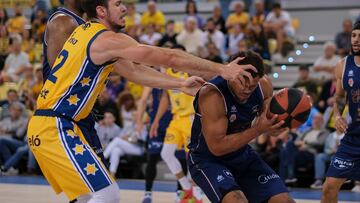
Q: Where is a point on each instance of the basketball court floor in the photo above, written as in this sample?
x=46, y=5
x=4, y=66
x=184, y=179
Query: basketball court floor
x=22, y=189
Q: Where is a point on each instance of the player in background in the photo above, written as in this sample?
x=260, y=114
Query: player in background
x=345, y=164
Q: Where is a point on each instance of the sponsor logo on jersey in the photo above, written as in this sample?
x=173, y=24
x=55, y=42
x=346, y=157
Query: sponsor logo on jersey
x=342, y=164
x=263, y=179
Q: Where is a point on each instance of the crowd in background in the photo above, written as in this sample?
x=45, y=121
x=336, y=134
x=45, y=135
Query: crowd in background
x=308, y=148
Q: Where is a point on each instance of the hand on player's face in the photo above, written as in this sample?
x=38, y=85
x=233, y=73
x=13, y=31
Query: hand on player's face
x=234, y=71
x=192, y=85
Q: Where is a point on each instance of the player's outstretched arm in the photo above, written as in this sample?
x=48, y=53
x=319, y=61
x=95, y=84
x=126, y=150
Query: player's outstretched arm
x=111, y=46
x=147, y=76
x=215, y=123
x=340, y=122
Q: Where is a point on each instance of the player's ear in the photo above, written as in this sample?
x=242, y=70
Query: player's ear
x=101, y=11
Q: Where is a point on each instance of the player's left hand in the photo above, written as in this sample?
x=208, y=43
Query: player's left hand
x=235, y=71
x=192, y=85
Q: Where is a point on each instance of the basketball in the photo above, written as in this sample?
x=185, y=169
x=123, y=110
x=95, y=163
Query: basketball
x=292, y=105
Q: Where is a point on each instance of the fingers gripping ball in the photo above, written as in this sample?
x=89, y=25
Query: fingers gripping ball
x=292, y=105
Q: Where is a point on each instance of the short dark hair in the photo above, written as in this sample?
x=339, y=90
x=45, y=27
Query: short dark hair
x=304, y=67
x=12, y=91
x=251, y=58
x=356, y=25
x=276, y=5
x=89, y=6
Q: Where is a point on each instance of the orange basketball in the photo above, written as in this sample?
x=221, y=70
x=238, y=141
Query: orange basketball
x=292, y=105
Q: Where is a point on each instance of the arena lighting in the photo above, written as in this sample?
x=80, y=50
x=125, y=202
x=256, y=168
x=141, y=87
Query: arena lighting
x=291, y=59
x=311, y=38
x=276, y=75
x=283, y=67
x=305, y=45
x=298, y=52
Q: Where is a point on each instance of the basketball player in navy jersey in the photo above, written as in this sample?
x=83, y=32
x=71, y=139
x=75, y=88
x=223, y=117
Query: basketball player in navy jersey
x=345, y=164
x=220, y=160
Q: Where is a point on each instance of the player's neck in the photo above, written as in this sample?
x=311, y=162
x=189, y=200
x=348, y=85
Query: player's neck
x=357, y=60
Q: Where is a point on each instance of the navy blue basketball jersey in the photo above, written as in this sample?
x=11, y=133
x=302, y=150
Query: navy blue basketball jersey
x=239, y=115
x=165, y=120
x=351, y=84
x=78, y=19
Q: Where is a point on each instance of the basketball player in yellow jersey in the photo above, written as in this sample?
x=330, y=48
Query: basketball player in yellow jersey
x=178, y=132
x=92, y=51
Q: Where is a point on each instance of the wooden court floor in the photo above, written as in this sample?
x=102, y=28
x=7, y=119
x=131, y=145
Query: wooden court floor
x=18, y=193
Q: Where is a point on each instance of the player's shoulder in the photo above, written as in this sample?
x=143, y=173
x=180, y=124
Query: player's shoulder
x=62, y=23
x=209, y=90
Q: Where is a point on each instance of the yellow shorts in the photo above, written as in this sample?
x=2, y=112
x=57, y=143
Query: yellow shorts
x=65, y=158
x=179, y=132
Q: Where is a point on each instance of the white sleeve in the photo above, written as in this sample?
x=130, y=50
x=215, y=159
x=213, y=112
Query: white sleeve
x=269, y=18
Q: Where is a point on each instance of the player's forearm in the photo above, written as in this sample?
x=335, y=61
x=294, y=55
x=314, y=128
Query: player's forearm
x=339, y=105
x=233, y=142
x=193, y=65
x=151, y=78
x=163, y=106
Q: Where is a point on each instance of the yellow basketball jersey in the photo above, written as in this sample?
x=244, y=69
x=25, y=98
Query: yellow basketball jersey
x=181, y=103
x=75, y=81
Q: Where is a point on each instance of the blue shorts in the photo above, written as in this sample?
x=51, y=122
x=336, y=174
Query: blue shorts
x=154, y=145
x=346, y=161
x=87, y=127
x=247, y=172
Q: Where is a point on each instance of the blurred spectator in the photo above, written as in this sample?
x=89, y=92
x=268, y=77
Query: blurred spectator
x=325, y=64
x=103, y=104
x=215, y=36
x=17, y=23
x=278, y=23
x=127, y=140
x=153, y=16
x=21, y=149
x=16, y=62
x=12, y=133
x=3, y=17
x=38, y=24
x=150, y=36
x=15, y=124
x=257, y=40
x=191, y=11
x=213, y=53
x=326, y=97
x=115, y=85
x=12, y=97
x=305, y=83
x=259, y=17
x=242, y=46
x=107, y=130
x=191, y=37
x=322, y=159
x=301, y=149
x=170, y=35
x=127, y=106
x=36, y=88
x=132, y=19
x=234, y=38
x=27, y=82
x=343, y=38
x=239, y=17
x=219, y=19
x=4, y=45
x=313, y=112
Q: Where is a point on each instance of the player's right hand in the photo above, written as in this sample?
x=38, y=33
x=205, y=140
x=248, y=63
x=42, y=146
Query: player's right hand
x=234, y=71
x=153, y=129
x=266, y=124
x=341, y=124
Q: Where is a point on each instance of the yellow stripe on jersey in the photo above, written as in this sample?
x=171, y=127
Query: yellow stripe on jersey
x=75, y=81
x=181, y=103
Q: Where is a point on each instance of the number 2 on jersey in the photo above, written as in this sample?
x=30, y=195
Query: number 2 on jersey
x=64, y=54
